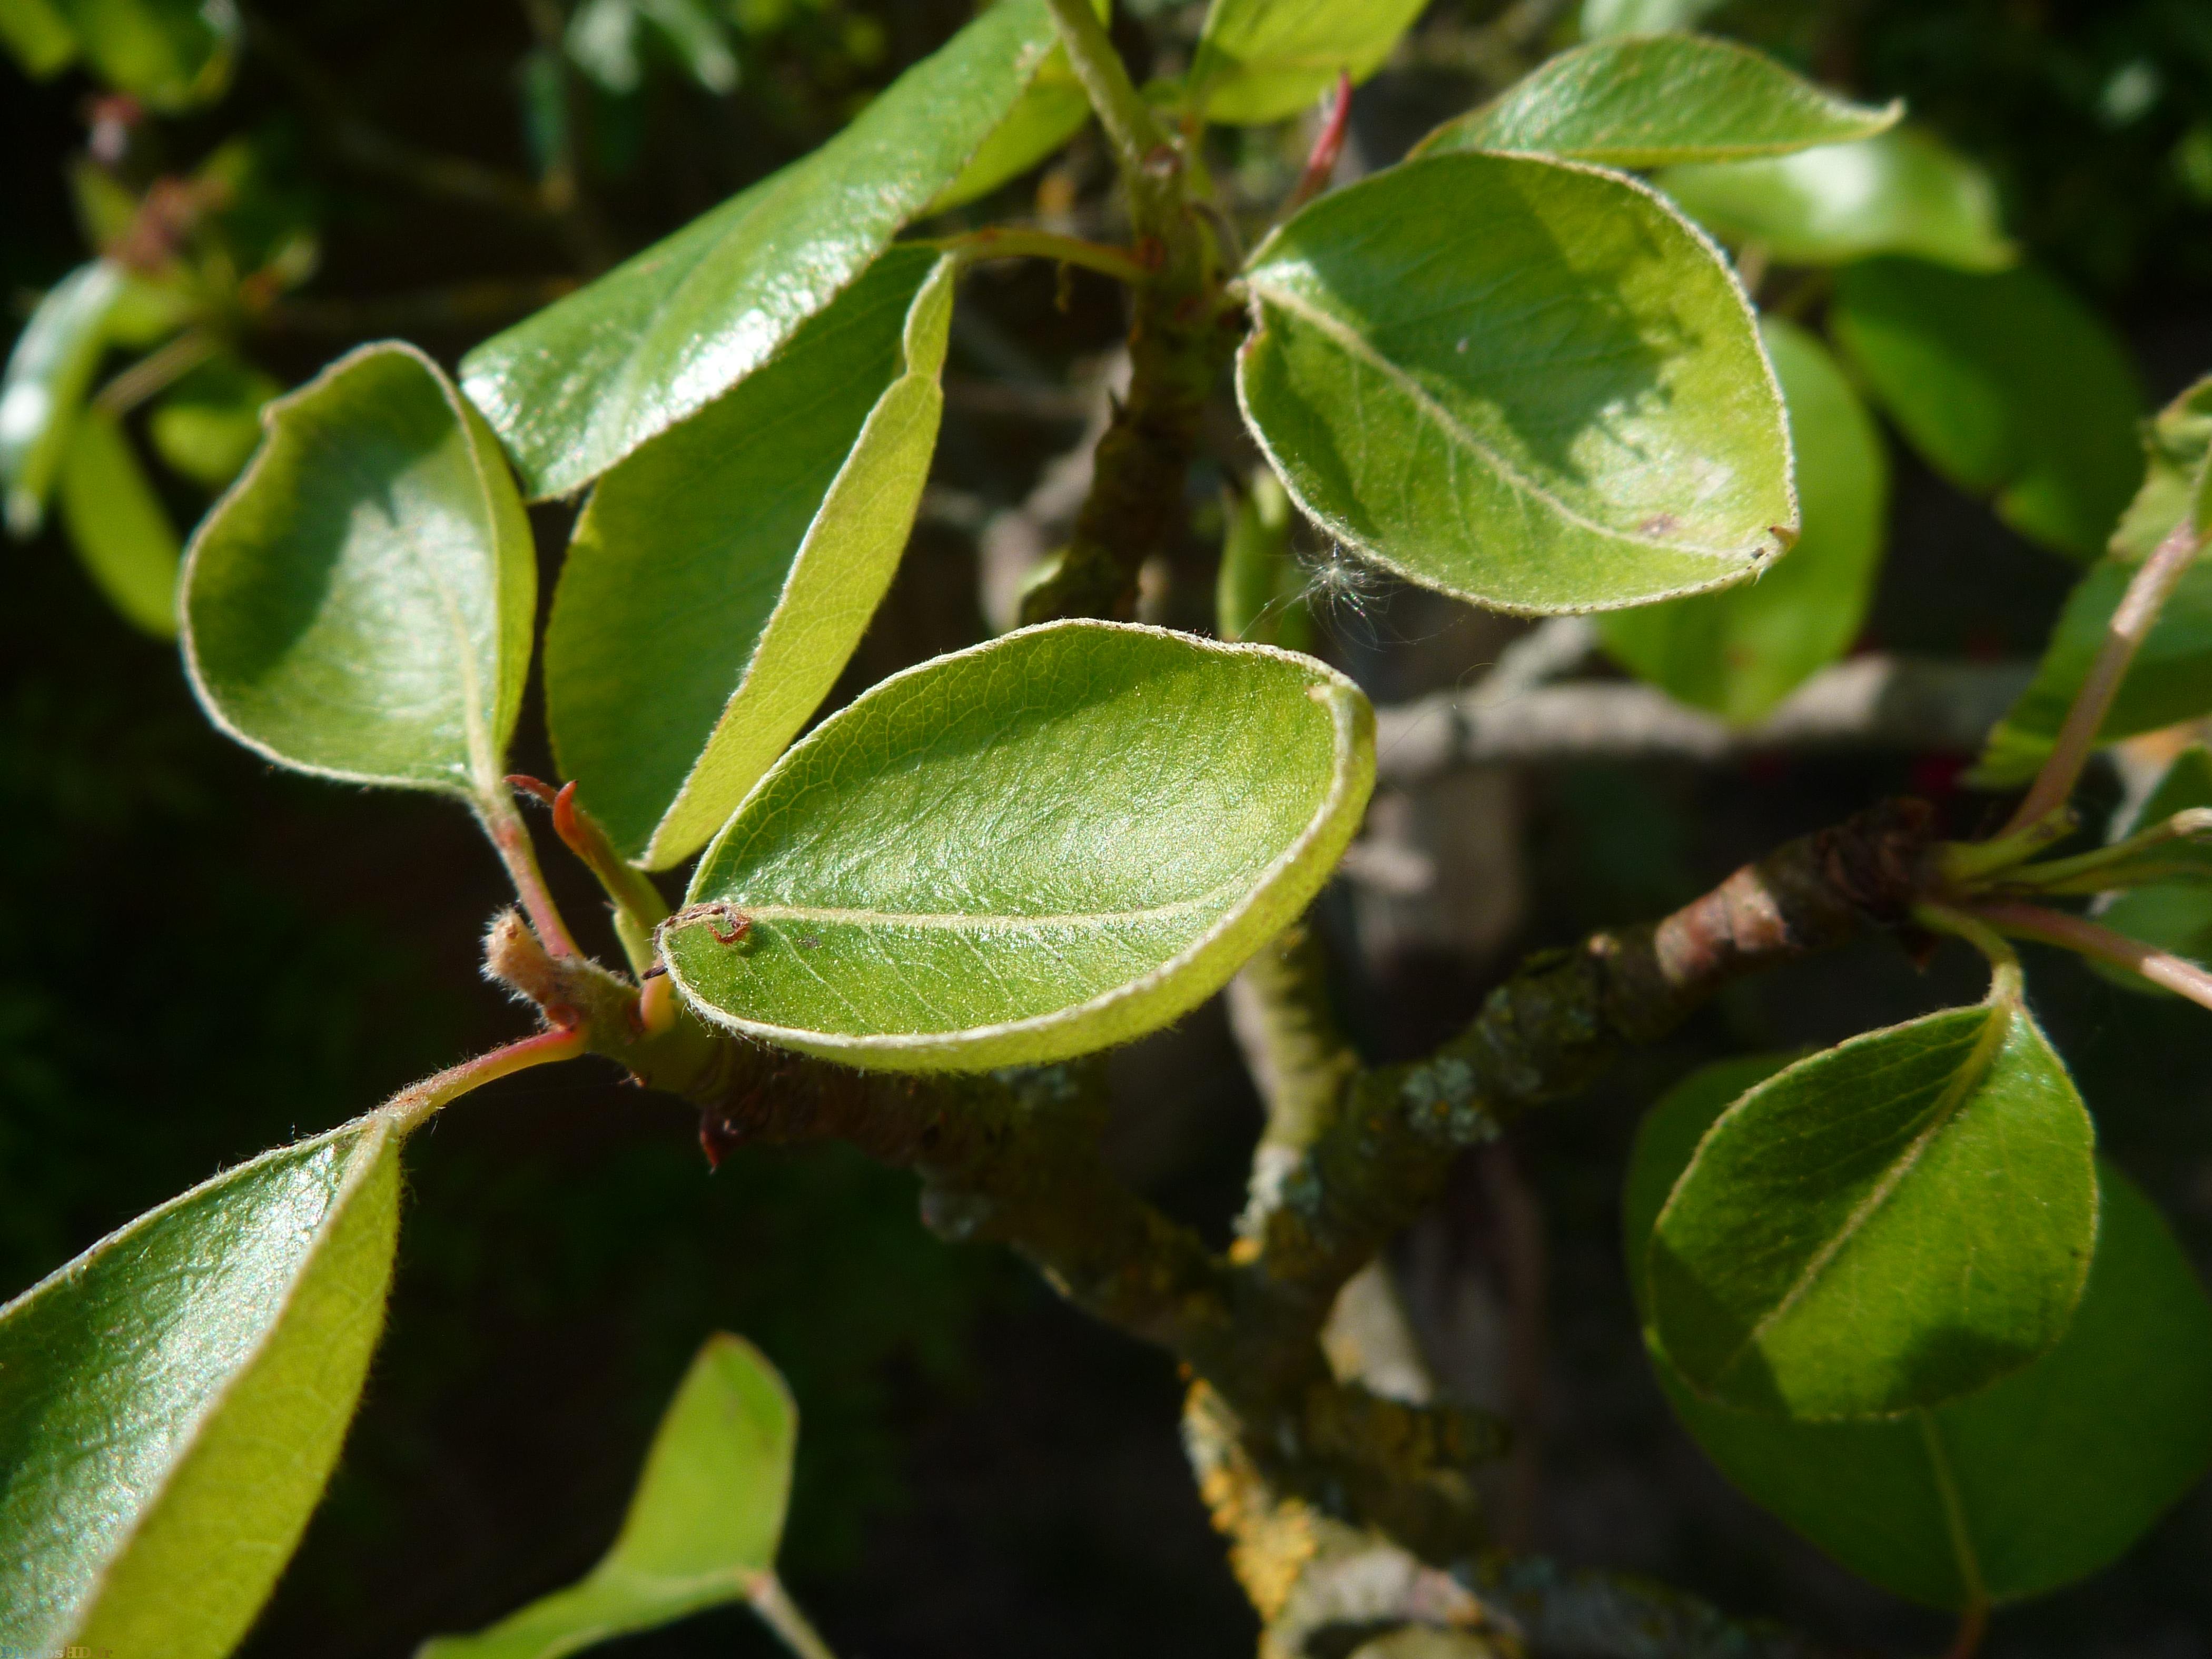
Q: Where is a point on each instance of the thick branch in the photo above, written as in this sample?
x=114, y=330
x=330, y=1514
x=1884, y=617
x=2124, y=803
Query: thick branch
x=1920, y=704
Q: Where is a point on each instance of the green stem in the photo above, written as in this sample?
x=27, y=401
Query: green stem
x=2005, y=982
x=409, y=1108
x=1148, y=161
x=638, y=906
x=156, y=371
x=1017, y=242
x=2086, y=938
x=2088, y=872
x=780, y=1614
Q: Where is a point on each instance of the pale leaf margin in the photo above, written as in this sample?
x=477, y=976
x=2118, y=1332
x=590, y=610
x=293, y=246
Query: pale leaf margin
x=1160, y=995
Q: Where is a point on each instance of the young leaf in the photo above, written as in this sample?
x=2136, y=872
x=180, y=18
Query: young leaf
x=721, y=575
x=172, y=54
x=1525, y=382
x=2169, y=680
x=2175, y=479
x=1265, y=60
x=1047, y=844
x=579, y=385
x=117, y=525
x=702, y=1527
x=1901, y=191
x=1631, y=101
x=172, y=1400
x=2036, y=1480
x=360, y=604
x=1741, y=651
x=1894, y=1222
x=45, y=385
x=208, y=425
x=2008, y=384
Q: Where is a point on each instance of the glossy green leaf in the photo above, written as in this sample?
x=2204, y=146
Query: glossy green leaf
x=1652, y=102
x=360, y=604
x=2007, y=384
x=2054, y=1471
x=1265, y=60
x=1604, y=17
x=209, y=424
x=1051, y=109
x=1047, y=844
x=1741, y=651
x=1260, y=594
x=1891, y=1223
x=117, y=525
x=703, y=1524
x=46, y=377
x=37, y=36
x=721, y=576
x=579, y=385
x=1525, y=382
x=2169, y=680
x=2174, y=915
x=172, y=1400
x=2177, y=479
x=1902, y=191
x=171, y=53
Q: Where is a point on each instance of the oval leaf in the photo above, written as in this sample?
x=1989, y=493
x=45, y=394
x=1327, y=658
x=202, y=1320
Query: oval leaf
x=1266, y=60
x=721, y=576
x=360, y=604
x=1649, y=102
x=703, y=1525
x=581, y=383
x=2053, y=1472
x=172, y=1401
x=2007, y=384
x=1050, y=843
x=1525, y=382
x=48, y=373
x=1900, y=193
x=1741, y=651
x=117, y=525
x=1894, y=1222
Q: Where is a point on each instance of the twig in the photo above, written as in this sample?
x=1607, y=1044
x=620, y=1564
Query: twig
x=2078, y=934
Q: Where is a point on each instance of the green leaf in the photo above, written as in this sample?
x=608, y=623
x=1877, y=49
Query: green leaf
x=37, y=36
x=2054, y=1471
x=1264, y=60
x=1648, y=102
x=208, y=425
x=360, y=604
x=2177, y=479
x=1047, y=844
x=2169, y=680
x=2174, y=914
x=1525, y=382
x=1894, y=1222
x=47, y=375
x=2006, y=385
x=1902, y=191
x=581, y=383
x=722, y=576
x=171, y=53
x=1052, y=109
x=1260, y=594
x=1604, y=17
x=1741, y=651
x=702, y=1527
x=172, y=1400
x=117, y=525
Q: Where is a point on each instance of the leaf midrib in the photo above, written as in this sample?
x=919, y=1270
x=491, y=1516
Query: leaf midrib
x=958, y=922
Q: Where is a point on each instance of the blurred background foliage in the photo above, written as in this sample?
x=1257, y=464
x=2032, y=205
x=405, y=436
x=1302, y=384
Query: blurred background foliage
x=199, y=957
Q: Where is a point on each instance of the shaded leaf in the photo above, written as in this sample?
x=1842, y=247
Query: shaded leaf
x=208, y=425
x=1902, y=191
x=1265, y=60
x=48, y=372
x=37, y=36
x=1891, y=1223
x=2007, y=384
x=171, y=53
x=1052, y=109
x=1739, y=652
x=2175, y=480
x=721, y=576
x=2055, y=1470
x=1047, y=844
x=1525, y=382
x=1645, y=102
x=703, y=1526
x=1260, y=594
x=581, y=383
x=172, y=1400
x=117, y=525
x=2174, y=914
x=360, y=604
x=2169, y=680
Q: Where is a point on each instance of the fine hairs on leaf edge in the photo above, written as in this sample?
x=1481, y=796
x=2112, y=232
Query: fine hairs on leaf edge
x=981, y=1048
x=475, y=431
x=1774, y=545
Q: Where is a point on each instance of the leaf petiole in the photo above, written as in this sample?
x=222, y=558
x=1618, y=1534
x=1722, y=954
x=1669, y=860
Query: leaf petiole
x=1017, y=242
x=409, y=1108
x=2089, y=872
x=495, y=811
x=2005, y=979
x=781, y=1614
x=638, y=906
x=2086, y=938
